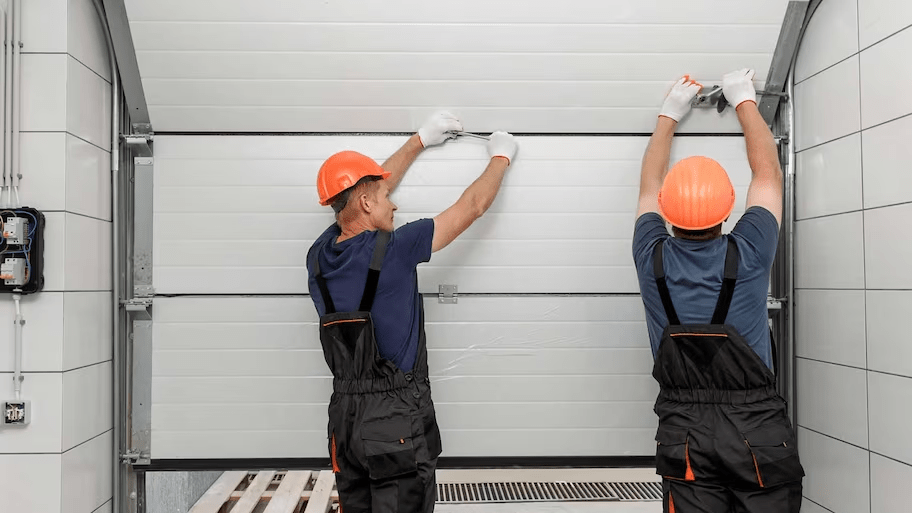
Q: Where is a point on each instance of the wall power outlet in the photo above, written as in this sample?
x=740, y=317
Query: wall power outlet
x=17, y=413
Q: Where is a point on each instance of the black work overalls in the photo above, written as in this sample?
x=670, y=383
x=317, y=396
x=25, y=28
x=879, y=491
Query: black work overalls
x=724, y=443
x=383, y=435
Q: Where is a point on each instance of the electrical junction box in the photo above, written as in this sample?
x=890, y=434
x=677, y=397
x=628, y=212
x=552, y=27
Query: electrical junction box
x=21, y=250
x=13, y=271
x=16, y=413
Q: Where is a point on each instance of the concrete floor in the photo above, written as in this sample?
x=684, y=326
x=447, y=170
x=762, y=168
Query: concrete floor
x=583, y=475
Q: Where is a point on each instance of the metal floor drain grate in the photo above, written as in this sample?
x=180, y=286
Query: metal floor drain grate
x=650, y=491
x=461, y=493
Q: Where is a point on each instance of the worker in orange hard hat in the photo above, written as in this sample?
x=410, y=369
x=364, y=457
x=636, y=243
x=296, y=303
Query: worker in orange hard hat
x=383, y=434
x=724, y=441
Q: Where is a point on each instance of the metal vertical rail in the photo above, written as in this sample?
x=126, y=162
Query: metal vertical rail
x=792, y=397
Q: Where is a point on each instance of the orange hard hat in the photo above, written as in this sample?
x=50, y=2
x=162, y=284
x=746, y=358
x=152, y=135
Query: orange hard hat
x=342, y=171
x=697, y=194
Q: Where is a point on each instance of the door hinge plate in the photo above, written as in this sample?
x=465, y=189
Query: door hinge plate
x=447, y=294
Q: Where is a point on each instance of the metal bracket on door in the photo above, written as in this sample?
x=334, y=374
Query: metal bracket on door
x=447, y=294
x=715, y=98
x=139, y=306
x=135, y=458
x=140, y=143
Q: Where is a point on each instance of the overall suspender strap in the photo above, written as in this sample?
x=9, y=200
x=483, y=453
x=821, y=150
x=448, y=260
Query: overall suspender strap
x=729, y=280
x=728, y=283
x=373, y=274
x=658, y=268
x=321, y=282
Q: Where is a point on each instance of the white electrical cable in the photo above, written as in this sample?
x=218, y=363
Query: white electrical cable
x=2, y=102
x=8, y=105
x=17, y=98
x=17, y=376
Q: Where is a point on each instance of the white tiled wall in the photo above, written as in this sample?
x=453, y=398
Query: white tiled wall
x=878, y=19
x=837, y=473
x=829, y=324
x=86, y=473
x=830, y=392
x=854, y=208
x=887, y=153
x=885, y=353
x=889, y=485
x=828, y=105
x=830, y=179
x=886, y=72
x=825, y=261
x=832, y=36
x=32, y=482
x=62, y=460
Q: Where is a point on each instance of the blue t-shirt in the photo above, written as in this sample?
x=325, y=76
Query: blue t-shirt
x=694, y=272
x=396, y=305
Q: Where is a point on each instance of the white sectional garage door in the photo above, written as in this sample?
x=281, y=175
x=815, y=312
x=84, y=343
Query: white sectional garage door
x=545, y=353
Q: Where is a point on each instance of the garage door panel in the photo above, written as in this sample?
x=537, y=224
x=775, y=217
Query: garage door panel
x=231, y=390
x=536, y=309
x=494, y=361
x=552, y=360
x=251, y=369
x=260, y=415
x=208, y=150
x=295, y=362
x=513, y=280
x=550, y=442
x=265, y=416
x=473, y=11
x=294, y=227
x=593, y=388
x=236, y=336
x=433, y=172
x=499, y=37
x=457, y=66
x=240, y=444
x=237, y=309
x=505, y=443
x=563, y=415
x=539, y=335
x=466, y=253
x=228, y=391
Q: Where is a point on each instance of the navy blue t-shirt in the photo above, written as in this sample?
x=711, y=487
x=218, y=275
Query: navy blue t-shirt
x=396, y=306
x=694, y=272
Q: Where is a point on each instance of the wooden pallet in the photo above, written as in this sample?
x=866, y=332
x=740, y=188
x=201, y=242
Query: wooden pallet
x=269, y=491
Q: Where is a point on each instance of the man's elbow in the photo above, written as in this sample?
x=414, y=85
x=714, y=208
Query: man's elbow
x=478, y=205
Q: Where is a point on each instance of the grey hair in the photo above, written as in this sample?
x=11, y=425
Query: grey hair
x=340, y=201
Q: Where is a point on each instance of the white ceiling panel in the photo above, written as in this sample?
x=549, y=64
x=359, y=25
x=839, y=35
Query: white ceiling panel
x=518, y=65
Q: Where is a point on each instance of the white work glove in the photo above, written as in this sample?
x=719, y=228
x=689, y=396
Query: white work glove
x=677, y=103
x=438, y=128
x=503, y=145
x=738, y=87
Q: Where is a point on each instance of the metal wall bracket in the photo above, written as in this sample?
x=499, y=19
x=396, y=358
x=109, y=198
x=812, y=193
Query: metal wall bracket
x=447, y=294
x=142, y=221
x=140, y=143
x=133, y=457
x=140, y=307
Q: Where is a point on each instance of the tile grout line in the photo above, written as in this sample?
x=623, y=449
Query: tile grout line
x=814, y=502
x=864, y=258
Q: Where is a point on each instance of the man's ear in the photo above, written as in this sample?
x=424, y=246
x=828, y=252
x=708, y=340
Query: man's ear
x=365, y=202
